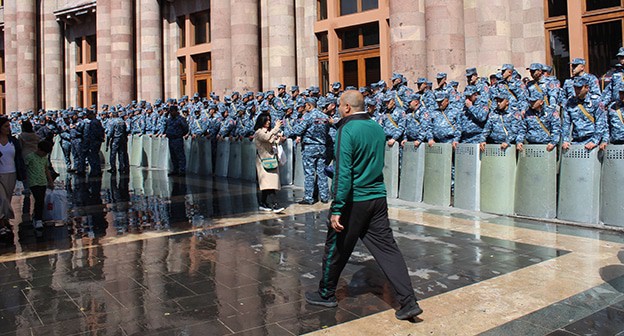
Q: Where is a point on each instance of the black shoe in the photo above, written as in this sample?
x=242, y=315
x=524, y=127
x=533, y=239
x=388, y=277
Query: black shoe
x=306, y=202
x=324, y=201
x=276, y=208
x=314, y=298
x=112, y=171
x=408, y=311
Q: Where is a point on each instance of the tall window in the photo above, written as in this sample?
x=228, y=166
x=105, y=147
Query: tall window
x=195, y=68
x=355, y=6
x=594, y=32
x=86, y=70
x=355, y=52
x=359, y=55
x=201, y=27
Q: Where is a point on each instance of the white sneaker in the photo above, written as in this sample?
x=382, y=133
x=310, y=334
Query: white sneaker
x=38, y=224
x=264, y=208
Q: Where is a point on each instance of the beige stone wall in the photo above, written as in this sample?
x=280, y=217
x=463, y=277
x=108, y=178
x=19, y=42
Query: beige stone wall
x=149, y=51
x=281, y=49
x=446, y=48
x=10, y=53
x=122, y=52
x=245, y=46
x=408, y=40
x=26, y=57
x=103, y=21
x=307, y=59
x=220, y=17
x=51, y=61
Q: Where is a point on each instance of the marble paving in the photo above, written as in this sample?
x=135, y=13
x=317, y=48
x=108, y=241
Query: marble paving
x=151, y=255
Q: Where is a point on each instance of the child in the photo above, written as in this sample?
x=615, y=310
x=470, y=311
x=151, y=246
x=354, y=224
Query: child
x=38, y=170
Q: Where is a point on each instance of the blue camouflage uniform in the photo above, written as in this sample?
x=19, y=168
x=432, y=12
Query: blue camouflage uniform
x=393, y=120
x=615, y=118
x=502, y=125
x=65, y=135
x=473, y=118
x=76, y=140
x=585, y=119
x=611, y=93
x=543, y=86
x=540, y=126
x=445, y=124
x=314, y=132
x=175, y=129
x=198, y=124
x=568, y=85
x=417, y=123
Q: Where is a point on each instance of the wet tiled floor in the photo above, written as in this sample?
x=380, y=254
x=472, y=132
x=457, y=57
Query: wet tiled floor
x=150, y=255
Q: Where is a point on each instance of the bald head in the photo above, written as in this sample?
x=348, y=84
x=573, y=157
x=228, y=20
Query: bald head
x=350, y=102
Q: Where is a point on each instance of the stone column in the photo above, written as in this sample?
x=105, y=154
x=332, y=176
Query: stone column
x=122, y=52
x=26, y=48
x=150, y=57
x=103, y=22
x=282, y=55
x=10, y=56
x=446, y=40
x=407, y=38
x=220, y=21
x=51, y=62
x=494, y=35
x=245, y=46
x=307, y=56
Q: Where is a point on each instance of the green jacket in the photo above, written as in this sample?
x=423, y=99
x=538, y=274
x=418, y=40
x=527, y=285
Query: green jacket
x=359, y=163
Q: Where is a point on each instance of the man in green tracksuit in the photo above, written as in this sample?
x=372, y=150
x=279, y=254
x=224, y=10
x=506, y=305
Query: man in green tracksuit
x=360, y=210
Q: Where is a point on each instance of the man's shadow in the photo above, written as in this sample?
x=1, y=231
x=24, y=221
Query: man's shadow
x=614, y=274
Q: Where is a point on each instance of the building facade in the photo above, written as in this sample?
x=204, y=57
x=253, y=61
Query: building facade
x=61, y=53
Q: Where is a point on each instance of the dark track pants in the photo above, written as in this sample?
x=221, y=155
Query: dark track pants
x=368, y=221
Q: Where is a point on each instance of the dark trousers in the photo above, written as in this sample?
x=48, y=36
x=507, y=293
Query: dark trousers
x=38, y=193
x=368, y=221
x=119, y=149
x=178, y=157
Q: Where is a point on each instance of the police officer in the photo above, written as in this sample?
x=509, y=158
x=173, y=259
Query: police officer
x=445, y=121
x=117, y=141
x=175, y=130
x=198, y=124
x=474, y=116
x=92, y=139
x=615, y=119
x=503, y=121
x=313, y=133
x=583, y=117
x=426, y=96
x=540, y=84
x=76, y=130
x=417, y=124
x=517, y=96
x=577, y=68
x=393, y=121
x=541, y=123
x=65, y=135
x=607, y=79
x=472, y=78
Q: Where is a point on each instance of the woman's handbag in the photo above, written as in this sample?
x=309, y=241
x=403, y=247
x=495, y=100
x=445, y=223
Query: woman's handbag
x=269, y=163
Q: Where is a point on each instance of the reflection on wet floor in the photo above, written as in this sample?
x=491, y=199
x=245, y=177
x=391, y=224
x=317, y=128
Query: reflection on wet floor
x=242, y=279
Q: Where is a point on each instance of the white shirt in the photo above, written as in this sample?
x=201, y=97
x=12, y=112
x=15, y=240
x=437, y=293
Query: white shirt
x=7, y=161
